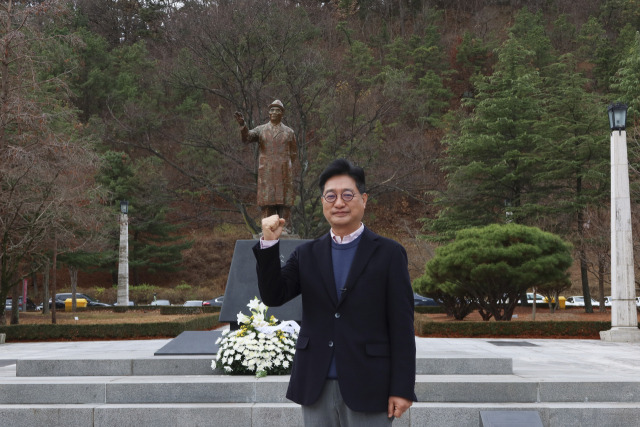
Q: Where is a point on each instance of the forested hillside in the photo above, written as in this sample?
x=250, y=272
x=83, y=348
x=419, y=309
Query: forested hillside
x=462, y=113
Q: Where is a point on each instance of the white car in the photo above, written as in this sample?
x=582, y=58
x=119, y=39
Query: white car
x=578, y=301
x=539, y=299
x=160, y=302
x=193, y=303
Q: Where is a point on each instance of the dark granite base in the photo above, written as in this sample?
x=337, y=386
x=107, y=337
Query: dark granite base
x=242, y=284
x=191, y=343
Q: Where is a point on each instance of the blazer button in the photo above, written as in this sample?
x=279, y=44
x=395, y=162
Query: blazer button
x=337, y=315
x=330, y=343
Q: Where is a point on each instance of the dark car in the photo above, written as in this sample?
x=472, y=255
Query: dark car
x=216, y=302
x=419, y=300
x=61, y=298
x=31, y=306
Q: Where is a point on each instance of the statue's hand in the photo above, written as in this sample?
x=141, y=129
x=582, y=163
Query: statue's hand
x=272, y=227
x=239, y=118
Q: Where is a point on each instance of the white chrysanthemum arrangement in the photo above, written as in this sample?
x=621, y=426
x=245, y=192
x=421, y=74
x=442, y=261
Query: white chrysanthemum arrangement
x=259, y=346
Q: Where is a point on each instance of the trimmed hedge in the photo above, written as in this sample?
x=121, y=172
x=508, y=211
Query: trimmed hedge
x=166, y=309
x=109, y=331
x=514, y=329
x=178, y=309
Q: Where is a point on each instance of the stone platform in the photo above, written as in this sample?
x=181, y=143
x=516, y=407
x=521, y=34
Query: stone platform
x=567, y=382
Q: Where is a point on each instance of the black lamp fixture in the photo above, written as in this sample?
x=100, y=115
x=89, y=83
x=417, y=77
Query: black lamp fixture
x=617, y=116
x=124, y=206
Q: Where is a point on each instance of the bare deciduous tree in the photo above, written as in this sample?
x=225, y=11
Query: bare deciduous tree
x=43, y=163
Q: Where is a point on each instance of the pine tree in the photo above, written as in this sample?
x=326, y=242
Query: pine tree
x=155, y=243
x=576, y=173
x=491, y=163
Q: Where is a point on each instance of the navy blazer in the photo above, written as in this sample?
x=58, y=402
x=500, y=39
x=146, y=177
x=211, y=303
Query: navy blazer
x=370, y=329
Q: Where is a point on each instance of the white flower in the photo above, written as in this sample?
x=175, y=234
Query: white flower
x=254, y=304
x=258, y=320
x=260, y=346
x=243, y=318
x=261, y=307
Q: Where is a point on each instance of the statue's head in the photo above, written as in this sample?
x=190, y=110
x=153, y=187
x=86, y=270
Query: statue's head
x=277, y=103
x=276, y=111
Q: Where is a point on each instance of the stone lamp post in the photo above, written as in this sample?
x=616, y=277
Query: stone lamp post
x=624, y=315
x=123, y=257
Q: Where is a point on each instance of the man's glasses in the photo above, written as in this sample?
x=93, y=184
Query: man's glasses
x=331, y=197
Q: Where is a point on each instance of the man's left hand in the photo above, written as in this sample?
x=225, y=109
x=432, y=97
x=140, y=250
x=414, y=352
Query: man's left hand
x=397, y=406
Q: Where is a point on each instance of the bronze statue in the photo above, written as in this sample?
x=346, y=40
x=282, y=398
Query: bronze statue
x=278, y=152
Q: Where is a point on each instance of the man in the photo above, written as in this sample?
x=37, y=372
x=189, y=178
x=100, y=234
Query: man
x=278, y=152
x=355, y=360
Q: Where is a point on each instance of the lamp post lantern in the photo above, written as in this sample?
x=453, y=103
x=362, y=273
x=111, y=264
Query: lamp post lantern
x=624, y=316
x=123, y=257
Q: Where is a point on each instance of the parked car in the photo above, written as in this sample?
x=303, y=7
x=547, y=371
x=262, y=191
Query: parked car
x=607, y=301
x=540, y=299
x=215, y=302
x=61, y=298
x=131, y=303
x=419, y=300
x=31, y=306
x=578, y=301
x=160, y=302
x=193, y=303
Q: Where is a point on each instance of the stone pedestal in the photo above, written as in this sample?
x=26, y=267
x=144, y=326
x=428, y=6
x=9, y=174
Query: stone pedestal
x=621, y=334
x=242, y=284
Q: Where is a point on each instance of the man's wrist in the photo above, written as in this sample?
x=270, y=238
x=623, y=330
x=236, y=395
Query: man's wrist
x=266, y=244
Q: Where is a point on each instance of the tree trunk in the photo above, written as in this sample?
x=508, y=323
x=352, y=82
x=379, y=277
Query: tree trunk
x=45, y=288
x=73, y=273
x=15, y=307
x=533, y=305
x=34, y=280
x=601, y=272
x=54, y=280
x=136, y=276
x=554, y=304
x=588, y=308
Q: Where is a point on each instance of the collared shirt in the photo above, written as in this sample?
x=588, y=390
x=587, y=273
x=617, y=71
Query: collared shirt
x=349, y=237
x=264, y=244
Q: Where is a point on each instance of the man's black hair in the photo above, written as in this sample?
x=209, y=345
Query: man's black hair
x=343, y=167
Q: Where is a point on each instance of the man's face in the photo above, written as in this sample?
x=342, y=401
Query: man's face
x=344, y=217
x=275, y=114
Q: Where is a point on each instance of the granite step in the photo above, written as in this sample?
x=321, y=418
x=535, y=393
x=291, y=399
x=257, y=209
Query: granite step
x=575, y=414
x=201, y=365
x=271, y=390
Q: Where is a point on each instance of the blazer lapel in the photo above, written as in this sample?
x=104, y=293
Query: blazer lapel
x=367, y=246
x=322, y=253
